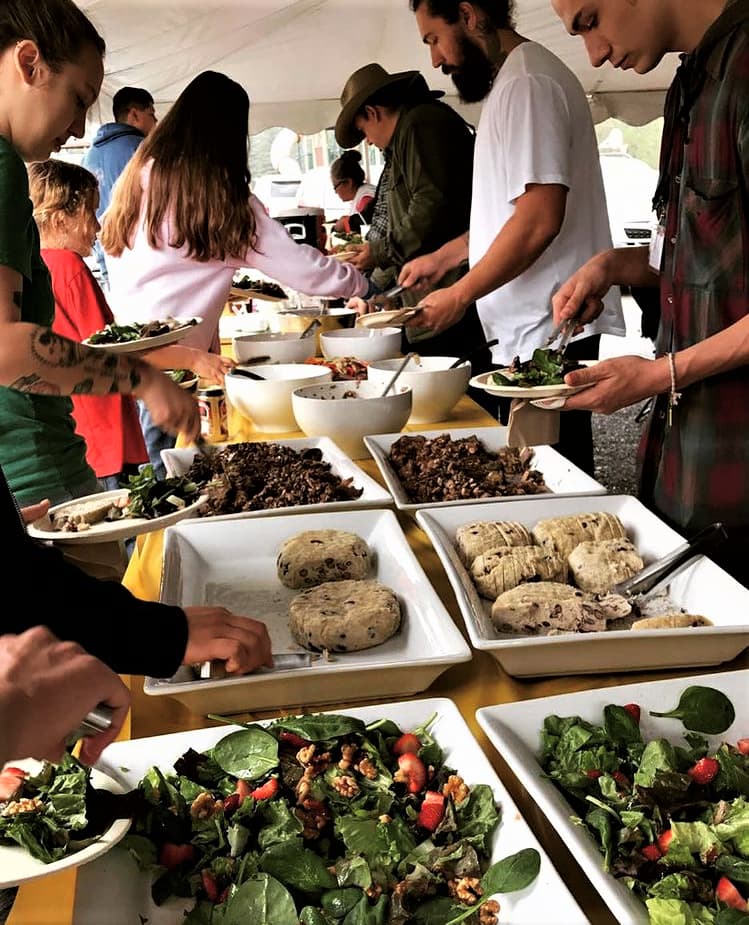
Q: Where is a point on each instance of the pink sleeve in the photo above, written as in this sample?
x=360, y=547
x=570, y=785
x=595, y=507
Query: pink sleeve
x=365, y=200
x=298, y=266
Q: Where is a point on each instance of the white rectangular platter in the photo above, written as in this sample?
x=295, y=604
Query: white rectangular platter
x=515, y=731
x=562, y=477
x=178, y=461
x=114, y=883
x=233, y=564
x=702, y=588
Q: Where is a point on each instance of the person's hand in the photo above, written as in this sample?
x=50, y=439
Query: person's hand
x=617, y=383
x=359, y=305
x=361, y=258
x=173, y=409
x=46, y=689
x=440, y=310
x=212, y=366
x=421, y=273
x=217, y=633
x=583, y=293
x=33, y=512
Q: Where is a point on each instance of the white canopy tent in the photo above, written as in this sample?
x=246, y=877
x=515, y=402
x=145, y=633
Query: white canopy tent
x=293, y=56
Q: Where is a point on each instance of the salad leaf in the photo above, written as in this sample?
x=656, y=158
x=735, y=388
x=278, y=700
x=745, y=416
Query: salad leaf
x=512, y=873
x=703, y=709
x=297, y=868
x=262, y=901
x=320, y=727
x=736, y=869
x=338, y=903
x=477, y=817
x=677, y=912
x=247, y=754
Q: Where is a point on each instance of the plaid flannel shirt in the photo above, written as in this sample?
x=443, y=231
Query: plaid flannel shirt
x=696, y=471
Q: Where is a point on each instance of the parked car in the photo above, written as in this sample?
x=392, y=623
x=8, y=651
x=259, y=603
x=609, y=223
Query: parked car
x=629, y=184
x=277, y=192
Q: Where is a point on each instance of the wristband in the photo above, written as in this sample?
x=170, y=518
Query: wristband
x=673, y=395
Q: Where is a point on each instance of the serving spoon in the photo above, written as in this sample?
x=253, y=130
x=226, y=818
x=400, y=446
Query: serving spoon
x=247, y=373
x=398, y=371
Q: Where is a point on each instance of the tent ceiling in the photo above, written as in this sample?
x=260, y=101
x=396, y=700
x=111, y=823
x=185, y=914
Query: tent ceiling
x=293, y=56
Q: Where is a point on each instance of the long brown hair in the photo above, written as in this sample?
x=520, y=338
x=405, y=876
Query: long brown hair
x=59, y=29
x=199, y=176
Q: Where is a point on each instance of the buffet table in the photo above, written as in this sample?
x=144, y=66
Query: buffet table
x=470, y=685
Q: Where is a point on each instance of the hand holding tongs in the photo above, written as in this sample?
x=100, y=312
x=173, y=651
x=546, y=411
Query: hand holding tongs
x=563, y=332
x=379, y=301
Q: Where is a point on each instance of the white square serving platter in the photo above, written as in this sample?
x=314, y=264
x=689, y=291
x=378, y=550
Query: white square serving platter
x=178, y=460
x=233, y=564
x=514, y=729
x=702, y=588
x=114, y=883
x=562, y=477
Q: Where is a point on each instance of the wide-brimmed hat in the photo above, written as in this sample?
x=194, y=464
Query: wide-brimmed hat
x=362, y=85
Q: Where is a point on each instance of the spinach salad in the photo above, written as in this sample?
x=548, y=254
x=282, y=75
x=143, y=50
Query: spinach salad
x=323, y=820
x=546, y=367
x=671, y=820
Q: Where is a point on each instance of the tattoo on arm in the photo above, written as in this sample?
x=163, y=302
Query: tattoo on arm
x=34, y=384
x=54, y=351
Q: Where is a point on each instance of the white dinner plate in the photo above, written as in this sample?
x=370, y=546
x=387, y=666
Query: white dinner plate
x=383, y=318
x=17, y=865
x=108, y=531
x=150, y=343
x=232, y=564
x=484, y=381
x=116, y=885
x=514, y=729
x=702, y=588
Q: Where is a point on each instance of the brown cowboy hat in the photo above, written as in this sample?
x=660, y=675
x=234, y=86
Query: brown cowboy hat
x=362, y=85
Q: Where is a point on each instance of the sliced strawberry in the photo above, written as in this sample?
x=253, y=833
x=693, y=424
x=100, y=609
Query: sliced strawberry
x=727, y=893
x=267, y=790
x=243, y=789
x=704, y=771
x=291, y=738
x=411, y=772
x=432, y=810
x=634, y=711
x=622, y=779
x=231, y=803
x=593, y=774
x=651, y=852
x=11, y=780
x=209, y=885
x=224, y=894
x=743, y=746
x=172, y=856
x=408, y=742
x=664, y=840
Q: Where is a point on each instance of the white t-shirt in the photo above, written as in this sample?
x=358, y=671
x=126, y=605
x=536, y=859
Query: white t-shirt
x=536, y=127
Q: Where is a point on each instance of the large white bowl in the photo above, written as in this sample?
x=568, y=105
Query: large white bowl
x=281, y=348
x=436, y=388
x=322, y=411
x=363, y=343
x=267, y=402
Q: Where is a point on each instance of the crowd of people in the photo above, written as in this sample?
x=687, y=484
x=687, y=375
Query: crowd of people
x=499, y=233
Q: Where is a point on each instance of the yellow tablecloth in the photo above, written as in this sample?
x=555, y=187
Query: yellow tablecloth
x=471, y=685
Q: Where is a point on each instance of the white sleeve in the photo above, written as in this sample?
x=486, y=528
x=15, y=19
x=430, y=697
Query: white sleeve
x=533, y=131
x=298, y=266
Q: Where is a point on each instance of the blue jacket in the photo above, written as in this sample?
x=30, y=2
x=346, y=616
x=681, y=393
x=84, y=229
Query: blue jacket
x=112, y=147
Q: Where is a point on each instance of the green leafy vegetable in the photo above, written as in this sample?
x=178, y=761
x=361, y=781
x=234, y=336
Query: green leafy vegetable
x=546, y=367
x=703, y=709
x=247, y=754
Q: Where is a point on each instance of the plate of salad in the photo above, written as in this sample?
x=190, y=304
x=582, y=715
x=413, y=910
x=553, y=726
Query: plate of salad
x=648, y=785
x=146, y=504
x=55, y=816
x=384, y=814
x=540, y=377
x=129, y=338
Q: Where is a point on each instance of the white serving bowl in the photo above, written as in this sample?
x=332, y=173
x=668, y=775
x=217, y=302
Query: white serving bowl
x=267, y=402
x=436, y=388
x=322, y=410
x=363, y=343
x=281, y=348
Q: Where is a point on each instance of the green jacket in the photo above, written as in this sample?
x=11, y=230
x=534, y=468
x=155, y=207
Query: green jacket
x=429, y=198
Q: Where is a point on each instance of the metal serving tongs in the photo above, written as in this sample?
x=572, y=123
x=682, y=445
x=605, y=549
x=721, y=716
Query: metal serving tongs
x=562, y=334
x=651, y=579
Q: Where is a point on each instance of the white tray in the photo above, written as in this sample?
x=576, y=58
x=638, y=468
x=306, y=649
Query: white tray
x=178, y=461
x=234, y=565
x=702, y=588
x=562, y=477
x=116, y=884
x=514, y=730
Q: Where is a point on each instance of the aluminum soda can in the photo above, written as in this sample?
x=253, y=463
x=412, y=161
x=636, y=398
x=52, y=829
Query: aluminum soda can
x=212, y=408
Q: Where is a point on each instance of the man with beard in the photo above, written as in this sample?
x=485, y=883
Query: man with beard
x=538, y=201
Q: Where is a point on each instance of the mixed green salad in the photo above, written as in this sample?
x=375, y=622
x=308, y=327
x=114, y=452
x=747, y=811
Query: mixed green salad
x=671, y=820
x=546, y=367
x=125, y=333
x=150, y=497
x=323, y=820
x=56, y=811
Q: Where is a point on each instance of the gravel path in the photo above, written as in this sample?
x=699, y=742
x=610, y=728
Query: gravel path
x=615, y=440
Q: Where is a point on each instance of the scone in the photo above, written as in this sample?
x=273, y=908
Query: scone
x=562, y=534
x=546, y=608
x=504, y=567
x=597, y=565
x=472, y=540
x=670, y=621
x=344, y=616
x=315, y=556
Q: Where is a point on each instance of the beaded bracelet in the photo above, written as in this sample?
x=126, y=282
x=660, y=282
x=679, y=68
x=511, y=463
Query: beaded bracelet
x=673, y=396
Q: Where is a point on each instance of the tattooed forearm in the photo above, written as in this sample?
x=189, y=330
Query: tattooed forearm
x=116, y=374
x=55, y=351
x=34, y=384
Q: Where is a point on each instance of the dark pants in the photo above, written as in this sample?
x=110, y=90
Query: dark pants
x=575, y=427
x=458, y=341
